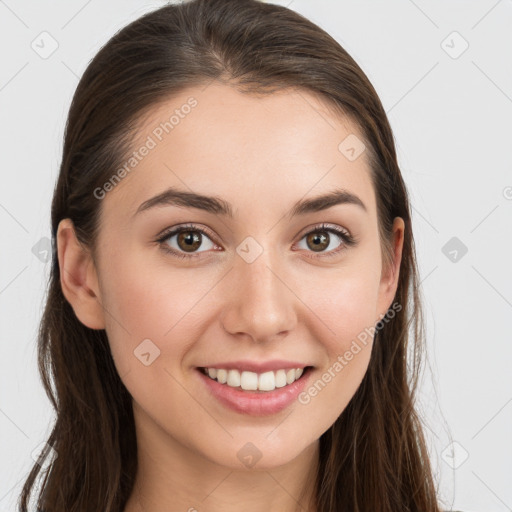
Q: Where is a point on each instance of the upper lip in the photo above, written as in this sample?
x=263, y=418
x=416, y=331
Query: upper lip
x=255, y=366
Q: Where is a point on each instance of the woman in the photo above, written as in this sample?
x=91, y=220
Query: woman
x=234, y=279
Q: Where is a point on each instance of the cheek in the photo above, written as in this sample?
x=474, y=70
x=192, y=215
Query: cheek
x=157, y=303
x=352, y=309
x=329, y=393
x=148, y=295
x=345, y=307
x=345, y=303
x=151, y=323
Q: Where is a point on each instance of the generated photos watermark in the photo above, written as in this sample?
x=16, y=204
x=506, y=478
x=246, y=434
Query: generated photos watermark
x=157, y=135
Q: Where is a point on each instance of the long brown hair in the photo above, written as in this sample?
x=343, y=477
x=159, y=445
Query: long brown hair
x=374, y=457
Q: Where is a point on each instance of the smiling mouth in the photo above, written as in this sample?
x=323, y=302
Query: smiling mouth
x=256, y=382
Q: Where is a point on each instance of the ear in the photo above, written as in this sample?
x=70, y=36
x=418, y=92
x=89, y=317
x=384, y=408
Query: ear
x=78, y=277
x=390, y=275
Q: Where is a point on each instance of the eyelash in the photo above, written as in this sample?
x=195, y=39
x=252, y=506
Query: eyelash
x=348, y=240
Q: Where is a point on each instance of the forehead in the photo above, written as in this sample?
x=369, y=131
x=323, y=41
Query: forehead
x=246, y=148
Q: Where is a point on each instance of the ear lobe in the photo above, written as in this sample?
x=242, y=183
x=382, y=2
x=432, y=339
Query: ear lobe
x=78, y=277
x=389, y=278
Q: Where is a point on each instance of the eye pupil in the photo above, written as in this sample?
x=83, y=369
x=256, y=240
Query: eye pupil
x=318, y=240
x=191, y=239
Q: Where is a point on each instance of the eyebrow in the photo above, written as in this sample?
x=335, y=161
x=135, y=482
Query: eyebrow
x=211, y=204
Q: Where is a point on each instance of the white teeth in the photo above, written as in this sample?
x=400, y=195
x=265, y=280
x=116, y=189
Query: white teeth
x=233, y=378
x=248, y=380
x=266, y=381
x=280, y=378
x=251, y=381
x=222, y=376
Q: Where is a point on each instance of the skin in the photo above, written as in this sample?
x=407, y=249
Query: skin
x=261, y=154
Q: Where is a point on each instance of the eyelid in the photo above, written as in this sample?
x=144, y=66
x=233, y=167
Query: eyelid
x=324, y=226
x=168, y=232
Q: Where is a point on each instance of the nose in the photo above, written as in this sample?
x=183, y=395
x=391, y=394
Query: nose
x=260, y=301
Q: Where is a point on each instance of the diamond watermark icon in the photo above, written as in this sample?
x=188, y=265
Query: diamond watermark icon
x=249, y=249
x=249, y=455
x=454, y=249
x=42, y=250
x=351, y=147
x=146, y=352
x=454, y=45
x=454, y=455
x=44, y=45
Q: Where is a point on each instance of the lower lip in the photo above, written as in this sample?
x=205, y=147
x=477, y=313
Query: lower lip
x=256, y=404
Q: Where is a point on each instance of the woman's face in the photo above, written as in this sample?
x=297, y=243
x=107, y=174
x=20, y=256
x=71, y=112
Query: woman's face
x=264, y=283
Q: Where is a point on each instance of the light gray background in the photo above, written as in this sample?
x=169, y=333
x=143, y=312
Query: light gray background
x=451, y=116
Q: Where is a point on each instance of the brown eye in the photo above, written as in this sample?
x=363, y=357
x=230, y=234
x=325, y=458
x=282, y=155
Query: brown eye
x=189, y=241
x=318, y=241
x=323, y=238
x=185, y=241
